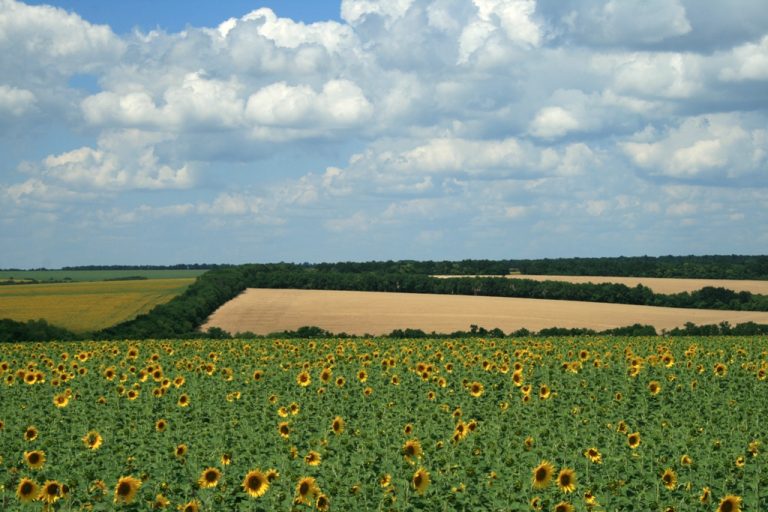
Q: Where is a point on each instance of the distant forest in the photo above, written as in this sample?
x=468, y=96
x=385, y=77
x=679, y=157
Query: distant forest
x=700, y=267
x=182, y=316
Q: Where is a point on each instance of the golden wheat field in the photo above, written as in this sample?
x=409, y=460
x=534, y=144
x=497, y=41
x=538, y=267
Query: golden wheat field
x=263, y=311
x=87, y=306
x=657, y=284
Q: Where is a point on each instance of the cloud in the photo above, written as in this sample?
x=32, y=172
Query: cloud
x=16, y=101
x=341, y=103
x=749, y=62
x=618, y=22
x=124, y=160
x=462, y=118
x=195, y=102
x=39, y=42
x=726, y=146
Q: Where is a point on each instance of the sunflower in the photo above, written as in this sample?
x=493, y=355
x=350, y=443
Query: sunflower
x=126, y=489
x=161, y=425
x=161, y=502
x=181, y=450
x=669, y=479
x=420, y=480
x=284, y=429
x=255, y=483
x=34, y=459
x=563, y=506
x=190, y=506
x=209, y=478
x=686, y=460
x=535, y=503
x=61, y=400
x=303, y=379
x=706, y=495
x=337, y=426
x=730, y=503
x=362, y=376
x=323, y=503
x=326, y=375
x=313, y=458
x=340, y=381
x=654, y=387
x=133, y=394
x=183, y=400
x=476, y=389
x=272, y=474
x=27, y=490
x=566, y=480
x=544, y=392
x=721, y=370
x=306, y=489
x=633, y=440
x=412, y=449
x=594, y=455
x=30, y=434
x=92, y=440
x=542, y=474
x=51, y=491
x=226, y=459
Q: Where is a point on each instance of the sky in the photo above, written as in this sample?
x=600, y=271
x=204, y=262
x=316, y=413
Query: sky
x=169, y=132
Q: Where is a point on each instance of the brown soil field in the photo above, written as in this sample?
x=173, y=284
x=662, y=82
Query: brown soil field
x=657, y=284
x=263, y=311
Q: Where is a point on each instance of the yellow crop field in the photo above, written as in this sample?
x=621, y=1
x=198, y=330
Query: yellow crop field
x=87, y=306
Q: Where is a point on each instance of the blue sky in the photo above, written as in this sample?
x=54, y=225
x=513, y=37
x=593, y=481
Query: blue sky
x=167, y=132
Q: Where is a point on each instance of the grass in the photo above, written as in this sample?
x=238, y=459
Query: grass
x=87, y=306
x=94, y=275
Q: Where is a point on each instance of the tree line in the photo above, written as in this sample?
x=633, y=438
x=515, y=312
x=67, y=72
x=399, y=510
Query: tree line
x=700, y=267
x=182, y=316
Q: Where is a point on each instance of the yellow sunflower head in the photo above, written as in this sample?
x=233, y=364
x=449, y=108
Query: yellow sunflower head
x=126, y=489
x=420, y=480
x=27, y=490
x=313, y=458
x=209, y=478
x=669, y=479
x=93, y=440
x=34, y=459
x=306, y=489
x=542, y=474
x=51, y=491
x=412, y=449
x=566, y=480
x=730, y=503
x=255, y=483
x=338, y=424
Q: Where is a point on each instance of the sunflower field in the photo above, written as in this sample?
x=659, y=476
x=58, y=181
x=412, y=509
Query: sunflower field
x=557, y=424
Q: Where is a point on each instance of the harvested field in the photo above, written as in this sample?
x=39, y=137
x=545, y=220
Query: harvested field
x=263, y=311
x=657, y=284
